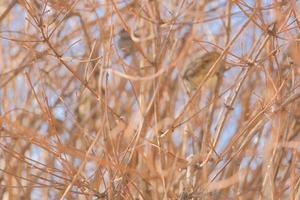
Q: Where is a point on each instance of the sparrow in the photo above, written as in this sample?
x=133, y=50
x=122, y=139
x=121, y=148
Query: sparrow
x=125, y=43
x=197, y=69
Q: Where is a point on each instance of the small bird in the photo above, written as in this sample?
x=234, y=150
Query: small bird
x=197, y=69
x=293, y=51
x=125, y=43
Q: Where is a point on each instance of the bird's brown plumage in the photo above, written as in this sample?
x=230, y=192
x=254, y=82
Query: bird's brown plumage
x=198, y=68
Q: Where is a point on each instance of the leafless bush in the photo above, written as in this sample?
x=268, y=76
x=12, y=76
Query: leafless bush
x=94, y=106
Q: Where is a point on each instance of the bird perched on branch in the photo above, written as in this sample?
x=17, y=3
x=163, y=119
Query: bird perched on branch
x=294, y=51
x=197, y=69
x=125, y=43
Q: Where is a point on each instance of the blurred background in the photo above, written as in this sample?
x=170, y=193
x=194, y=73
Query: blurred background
x=93, y=103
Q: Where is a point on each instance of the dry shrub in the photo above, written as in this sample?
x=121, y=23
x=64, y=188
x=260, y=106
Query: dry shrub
x=84, y=116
